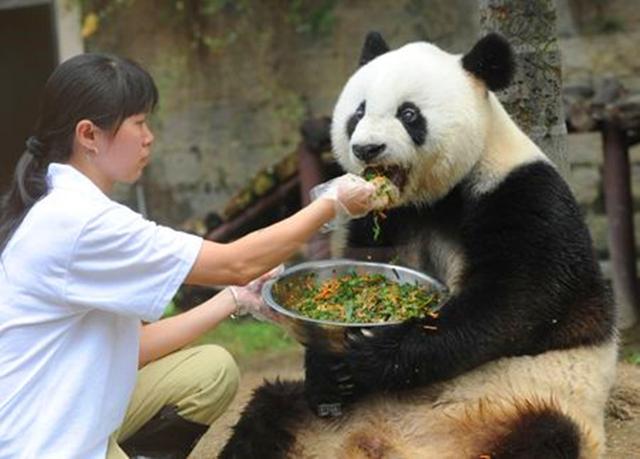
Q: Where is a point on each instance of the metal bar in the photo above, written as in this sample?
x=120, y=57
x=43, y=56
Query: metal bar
x=619, y=208
x=311, y=173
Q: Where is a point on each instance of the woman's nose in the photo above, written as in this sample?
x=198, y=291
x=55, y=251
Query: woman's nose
x=149, y=137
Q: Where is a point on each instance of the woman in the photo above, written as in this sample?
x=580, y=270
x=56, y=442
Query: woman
x=79, y=273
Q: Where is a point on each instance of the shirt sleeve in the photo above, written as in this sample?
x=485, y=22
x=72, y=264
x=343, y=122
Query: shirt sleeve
x=126, y=264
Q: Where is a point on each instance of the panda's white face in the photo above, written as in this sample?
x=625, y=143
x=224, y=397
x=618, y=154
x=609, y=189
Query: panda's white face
x=416, y=115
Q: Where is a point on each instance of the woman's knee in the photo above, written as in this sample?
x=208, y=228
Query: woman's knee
x=216, y=378
x=219, y=374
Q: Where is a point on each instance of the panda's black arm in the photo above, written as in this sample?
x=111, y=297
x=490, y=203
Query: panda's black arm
x=529, y=279
x=414, y=353
x=422, y=351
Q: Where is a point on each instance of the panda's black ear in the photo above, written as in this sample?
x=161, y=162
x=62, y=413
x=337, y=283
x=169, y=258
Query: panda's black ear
x=491, y=60
x=374, y=46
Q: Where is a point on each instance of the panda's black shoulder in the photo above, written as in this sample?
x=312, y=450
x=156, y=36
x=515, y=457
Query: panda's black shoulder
x=535, y=207
x=532, y=232
x=533, y=190
x=532, y=223
x=537, y=177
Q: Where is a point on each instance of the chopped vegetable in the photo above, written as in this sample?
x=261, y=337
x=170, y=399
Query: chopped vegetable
x=386, y=192
x=385, y=195
x=376, y=227
x=360, y=298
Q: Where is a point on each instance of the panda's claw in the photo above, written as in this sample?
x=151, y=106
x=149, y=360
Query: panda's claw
x=367, y=332
x=338, y=366
x=346, y=389
x=359, y=334
x=351, y=336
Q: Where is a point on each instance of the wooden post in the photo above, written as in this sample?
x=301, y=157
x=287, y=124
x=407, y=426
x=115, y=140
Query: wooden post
x=619, y=208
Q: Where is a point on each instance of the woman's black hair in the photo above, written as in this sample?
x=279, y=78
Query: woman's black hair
x=101, y=88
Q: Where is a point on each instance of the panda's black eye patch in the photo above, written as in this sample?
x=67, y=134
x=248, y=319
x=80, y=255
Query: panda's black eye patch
x=411, y=118
x=355, y=118
x=408, y=115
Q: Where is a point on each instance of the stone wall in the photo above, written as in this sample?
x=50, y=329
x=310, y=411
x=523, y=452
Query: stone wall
x=598, y=40
x=234, y=105
x=586, y=158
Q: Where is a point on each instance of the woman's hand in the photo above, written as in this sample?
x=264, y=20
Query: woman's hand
x=248, y=298
x=352, y=195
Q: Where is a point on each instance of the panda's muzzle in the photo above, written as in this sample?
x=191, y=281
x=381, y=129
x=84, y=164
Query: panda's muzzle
x=369, y=151
x=398, y=175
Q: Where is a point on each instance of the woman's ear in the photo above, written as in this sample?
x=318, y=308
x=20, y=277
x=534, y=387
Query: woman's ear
x=86, y=135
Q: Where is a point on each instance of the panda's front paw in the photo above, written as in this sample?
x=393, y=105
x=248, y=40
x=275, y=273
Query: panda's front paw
x=329, y=384
x=378, y=357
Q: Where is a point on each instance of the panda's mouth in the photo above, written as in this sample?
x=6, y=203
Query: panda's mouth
x=396, y=174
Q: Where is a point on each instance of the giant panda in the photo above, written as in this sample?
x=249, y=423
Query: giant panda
x=520, y=360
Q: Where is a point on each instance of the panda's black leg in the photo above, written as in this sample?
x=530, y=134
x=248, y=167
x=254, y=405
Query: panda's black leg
x=266, y=429
x=546, y=434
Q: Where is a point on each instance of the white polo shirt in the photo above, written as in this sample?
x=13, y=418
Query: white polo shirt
x=76, y=279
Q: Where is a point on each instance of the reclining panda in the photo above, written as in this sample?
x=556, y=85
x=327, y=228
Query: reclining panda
x=520, y=360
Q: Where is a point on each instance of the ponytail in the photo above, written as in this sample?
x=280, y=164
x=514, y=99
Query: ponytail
x=101, y=88
x=29, y=184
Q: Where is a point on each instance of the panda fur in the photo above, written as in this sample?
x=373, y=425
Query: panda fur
x=521, y=358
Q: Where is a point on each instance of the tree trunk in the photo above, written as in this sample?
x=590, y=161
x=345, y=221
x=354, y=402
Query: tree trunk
x=534, y=99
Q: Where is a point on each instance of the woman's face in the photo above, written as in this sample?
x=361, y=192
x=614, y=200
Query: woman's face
x=123, y=156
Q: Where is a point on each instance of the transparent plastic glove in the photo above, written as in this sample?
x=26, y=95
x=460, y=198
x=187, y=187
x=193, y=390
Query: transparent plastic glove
x=352, y=197
x=248, y=298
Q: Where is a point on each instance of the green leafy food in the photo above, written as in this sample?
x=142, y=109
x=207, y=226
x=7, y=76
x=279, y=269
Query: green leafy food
x=376, y=227
x=361, y=298
x=385, y=195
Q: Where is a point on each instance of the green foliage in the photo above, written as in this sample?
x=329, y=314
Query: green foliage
x=609, y=24
x=630, y=345
x=199, y=13
x=631, y=352
x=633, y=357
x=246, y=337
x=197, y=16
x=170, y=310
x=211, y=7
x=312, y=17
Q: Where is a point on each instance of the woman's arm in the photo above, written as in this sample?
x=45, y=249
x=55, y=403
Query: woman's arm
x=245, y=259
x=167, y=335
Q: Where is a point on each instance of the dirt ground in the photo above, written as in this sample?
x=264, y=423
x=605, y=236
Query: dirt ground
x=623, y=412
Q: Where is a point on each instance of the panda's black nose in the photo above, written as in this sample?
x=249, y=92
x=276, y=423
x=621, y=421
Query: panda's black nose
x=368, y=151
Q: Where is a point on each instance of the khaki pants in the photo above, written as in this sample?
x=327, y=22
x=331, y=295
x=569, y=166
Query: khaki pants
x=199, y=381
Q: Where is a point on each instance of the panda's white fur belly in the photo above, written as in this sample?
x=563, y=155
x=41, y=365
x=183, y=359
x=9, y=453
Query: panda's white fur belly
x=450, y=419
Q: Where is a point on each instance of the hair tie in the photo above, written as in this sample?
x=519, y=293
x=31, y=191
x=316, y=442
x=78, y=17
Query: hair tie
x=35, y=147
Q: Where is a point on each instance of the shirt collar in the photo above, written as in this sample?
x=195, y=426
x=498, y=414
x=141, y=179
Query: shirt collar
x=68, y=177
